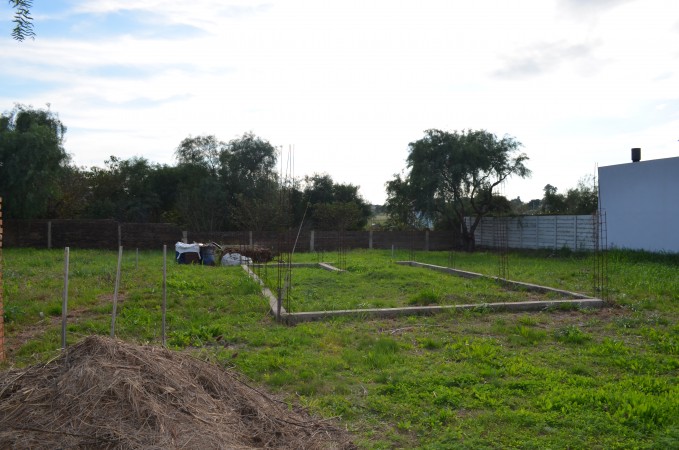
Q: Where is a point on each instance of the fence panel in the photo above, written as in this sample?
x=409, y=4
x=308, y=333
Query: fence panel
x=537, y=232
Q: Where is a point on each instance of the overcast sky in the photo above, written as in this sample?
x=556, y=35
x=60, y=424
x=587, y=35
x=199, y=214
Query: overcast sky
x=350, y=83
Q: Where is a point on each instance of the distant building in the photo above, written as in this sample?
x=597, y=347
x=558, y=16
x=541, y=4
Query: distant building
x=641, y=200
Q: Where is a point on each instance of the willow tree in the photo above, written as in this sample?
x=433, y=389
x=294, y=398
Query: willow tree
x=23, y=22
x=456, y=173
x=32, y=158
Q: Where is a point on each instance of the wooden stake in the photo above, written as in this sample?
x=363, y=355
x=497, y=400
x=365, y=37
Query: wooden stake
x=2, y=306
x=115, y=293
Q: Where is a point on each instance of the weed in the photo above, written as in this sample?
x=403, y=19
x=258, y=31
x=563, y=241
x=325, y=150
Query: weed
x=571, y=334
x=524, y=335
x=425, y=298
x=12, y=313
x=431, y=344
x=529, y=321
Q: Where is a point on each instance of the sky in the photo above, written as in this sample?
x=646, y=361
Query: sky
x=345, y=86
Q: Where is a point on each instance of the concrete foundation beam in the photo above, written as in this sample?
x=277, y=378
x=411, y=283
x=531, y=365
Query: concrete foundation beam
x=294, y=318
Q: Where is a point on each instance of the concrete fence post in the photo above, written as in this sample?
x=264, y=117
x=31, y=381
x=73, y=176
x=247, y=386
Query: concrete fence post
x=426, y=240
x=370, y=240
x=64, y=298
x=311, y=241
x=120, y=235
x=185, y=237
x=49, y=234
x=250, y=237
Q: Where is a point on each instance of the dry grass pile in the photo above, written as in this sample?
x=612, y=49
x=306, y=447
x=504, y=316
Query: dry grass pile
x=104, y=393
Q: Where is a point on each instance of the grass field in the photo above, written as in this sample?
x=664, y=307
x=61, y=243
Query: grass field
x=553, y=379
x=379, y=283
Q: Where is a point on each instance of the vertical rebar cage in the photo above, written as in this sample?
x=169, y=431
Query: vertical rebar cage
x=600, y=268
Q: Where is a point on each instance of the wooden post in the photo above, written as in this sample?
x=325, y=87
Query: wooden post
x=115, y=293
x=312, y=244
x=370, y=240
x=2, y=308
x=120, y=236
x=250, y=238
x=164, y=305
x=49, y=234
x=185, y=237
x=64, y=298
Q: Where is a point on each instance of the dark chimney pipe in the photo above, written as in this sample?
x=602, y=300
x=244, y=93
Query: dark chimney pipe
x=636, y=154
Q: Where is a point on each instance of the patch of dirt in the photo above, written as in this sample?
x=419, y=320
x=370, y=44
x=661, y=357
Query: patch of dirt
x=105, y=393
x=26, y=333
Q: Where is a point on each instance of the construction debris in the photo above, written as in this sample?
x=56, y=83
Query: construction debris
x=257, y=253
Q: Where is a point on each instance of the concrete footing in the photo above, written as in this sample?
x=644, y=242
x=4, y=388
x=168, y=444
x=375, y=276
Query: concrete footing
x=573, y=300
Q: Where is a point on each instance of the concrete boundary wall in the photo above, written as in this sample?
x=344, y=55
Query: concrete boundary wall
x=104, y=234
x=574, y=300
x=576, y=232
x=109, y=234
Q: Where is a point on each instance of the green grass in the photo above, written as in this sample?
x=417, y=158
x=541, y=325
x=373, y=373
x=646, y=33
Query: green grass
x=473, y=379
x=371, y=282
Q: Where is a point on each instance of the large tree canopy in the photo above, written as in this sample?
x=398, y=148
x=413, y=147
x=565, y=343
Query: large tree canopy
x=31, y=160
x=453, y=175
x=227, y=185
x=215, y=185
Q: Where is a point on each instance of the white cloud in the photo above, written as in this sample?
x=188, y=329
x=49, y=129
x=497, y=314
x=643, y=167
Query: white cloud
x=351, y=83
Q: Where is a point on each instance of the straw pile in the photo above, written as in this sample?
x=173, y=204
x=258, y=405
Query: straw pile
x=104, y=393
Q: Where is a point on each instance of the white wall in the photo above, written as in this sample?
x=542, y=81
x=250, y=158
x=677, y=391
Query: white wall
x=641, y=201
x=548, y=232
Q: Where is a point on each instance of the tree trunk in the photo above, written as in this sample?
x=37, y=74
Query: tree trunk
x=469, y=241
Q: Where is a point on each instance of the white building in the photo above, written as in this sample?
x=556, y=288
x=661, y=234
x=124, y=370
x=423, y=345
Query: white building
x=641, y=200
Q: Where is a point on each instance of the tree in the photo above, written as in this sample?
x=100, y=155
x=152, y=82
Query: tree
x=23, y=22
x=203, y=151
x=201, y=203
x=402, y=213
x=248, y=178
x=247, y=165
x=75, y=194
x=455, y=173
x=123, y=191
x=339, y=216
x=31, y=159
x=553, y=202
x=328, y=201
x=582, y=199
x=220, y=181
